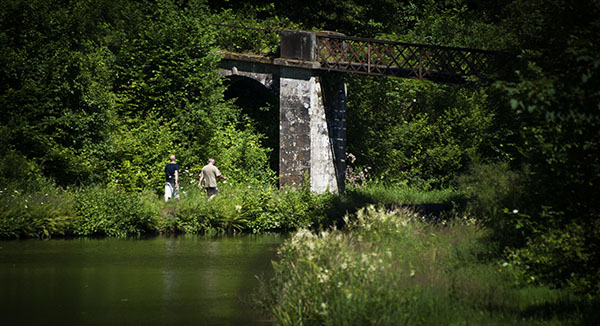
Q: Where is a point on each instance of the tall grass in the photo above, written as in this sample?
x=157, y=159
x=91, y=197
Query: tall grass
x=250, y=208
x=116, y=212
x=395, y=269
x=402, y=194
x=35, y=214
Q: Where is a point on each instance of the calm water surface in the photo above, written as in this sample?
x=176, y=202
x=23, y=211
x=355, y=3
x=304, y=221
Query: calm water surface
x=158, y=281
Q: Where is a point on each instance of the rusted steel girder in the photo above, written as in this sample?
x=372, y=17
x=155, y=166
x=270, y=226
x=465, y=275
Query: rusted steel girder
x=419, y=61
x=337, y=52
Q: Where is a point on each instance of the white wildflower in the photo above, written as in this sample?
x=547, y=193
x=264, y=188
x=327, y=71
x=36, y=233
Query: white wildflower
x=323, y=278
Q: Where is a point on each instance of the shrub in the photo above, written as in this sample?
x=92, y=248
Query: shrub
x=35, y=214
x=112, y=212
x=495, y=193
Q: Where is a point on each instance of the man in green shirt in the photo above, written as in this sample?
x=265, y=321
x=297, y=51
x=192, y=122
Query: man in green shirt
x=209, y=174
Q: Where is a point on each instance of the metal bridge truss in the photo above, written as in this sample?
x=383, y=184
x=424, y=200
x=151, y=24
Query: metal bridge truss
x=336, y=52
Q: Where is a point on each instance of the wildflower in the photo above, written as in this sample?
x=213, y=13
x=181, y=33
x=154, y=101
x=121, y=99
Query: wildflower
x=238, y=208
x=364, y=259
x=323, y=278
x=26, y=207
x=412, y=273
x=515, y=211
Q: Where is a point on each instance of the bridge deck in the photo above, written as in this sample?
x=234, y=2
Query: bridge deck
x=336, y=52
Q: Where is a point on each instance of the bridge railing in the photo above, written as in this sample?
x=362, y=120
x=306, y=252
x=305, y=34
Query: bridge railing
x=337, y=52
x=377, y=57
x=248, y=40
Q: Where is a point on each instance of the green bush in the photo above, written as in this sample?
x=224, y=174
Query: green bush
x=495, y=194
x=112, y=212
x=35, y=214
x=414, y=131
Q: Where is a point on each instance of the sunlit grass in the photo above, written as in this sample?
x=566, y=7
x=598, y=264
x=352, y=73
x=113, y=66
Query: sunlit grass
x=401, y=194
x=394, y=269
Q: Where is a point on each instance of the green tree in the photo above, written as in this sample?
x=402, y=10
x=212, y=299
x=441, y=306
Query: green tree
x=556, y=101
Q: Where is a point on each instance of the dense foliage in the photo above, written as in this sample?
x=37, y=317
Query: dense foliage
x=101, y=92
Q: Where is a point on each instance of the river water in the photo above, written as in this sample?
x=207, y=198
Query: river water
x=157, y=281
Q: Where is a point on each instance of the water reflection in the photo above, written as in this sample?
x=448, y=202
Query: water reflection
x=158, y=281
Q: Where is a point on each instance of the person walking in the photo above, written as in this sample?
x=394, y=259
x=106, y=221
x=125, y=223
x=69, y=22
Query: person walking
x=172, y=182
x=209, y=174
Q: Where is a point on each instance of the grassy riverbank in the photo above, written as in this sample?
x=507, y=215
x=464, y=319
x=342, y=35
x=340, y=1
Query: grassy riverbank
x=394, y=269
x=250, y=208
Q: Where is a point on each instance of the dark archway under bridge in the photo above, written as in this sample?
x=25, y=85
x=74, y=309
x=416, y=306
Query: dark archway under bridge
x=261, y=106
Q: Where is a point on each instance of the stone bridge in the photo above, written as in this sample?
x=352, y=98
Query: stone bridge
x=305, y=71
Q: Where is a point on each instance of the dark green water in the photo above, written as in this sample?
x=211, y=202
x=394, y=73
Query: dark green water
x=158, y=281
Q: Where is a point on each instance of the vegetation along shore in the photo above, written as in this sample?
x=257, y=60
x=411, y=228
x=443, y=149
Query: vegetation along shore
x=96, y=95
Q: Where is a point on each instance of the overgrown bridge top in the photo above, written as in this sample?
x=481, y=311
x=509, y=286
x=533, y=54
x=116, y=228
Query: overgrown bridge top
x=337, y=52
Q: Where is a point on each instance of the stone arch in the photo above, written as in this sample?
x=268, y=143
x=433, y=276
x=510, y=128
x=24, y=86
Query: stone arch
x=267, y=75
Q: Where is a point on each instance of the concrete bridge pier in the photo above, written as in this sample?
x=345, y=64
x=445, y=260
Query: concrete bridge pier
x=312, y=106
x=310, y=149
